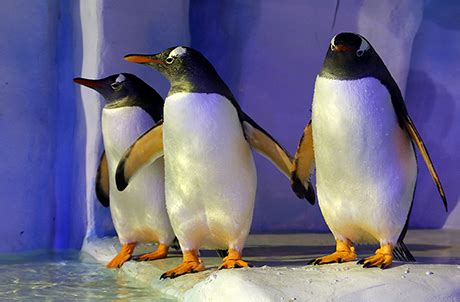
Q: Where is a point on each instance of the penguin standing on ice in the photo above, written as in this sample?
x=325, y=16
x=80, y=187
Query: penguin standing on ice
x=209, y=169
x=361, y=140
x=139, y=213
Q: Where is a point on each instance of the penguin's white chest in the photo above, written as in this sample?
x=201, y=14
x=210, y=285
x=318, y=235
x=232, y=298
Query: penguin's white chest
x=365, y=162
x=139, y=212
x=210, y=173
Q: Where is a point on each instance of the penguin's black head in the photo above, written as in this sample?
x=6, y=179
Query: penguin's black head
x=349, y=56
x=186, y=69
x=116, y=86
x=126, y=89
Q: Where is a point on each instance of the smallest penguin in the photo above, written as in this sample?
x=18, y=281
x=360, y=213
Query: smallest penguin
x=138, y=213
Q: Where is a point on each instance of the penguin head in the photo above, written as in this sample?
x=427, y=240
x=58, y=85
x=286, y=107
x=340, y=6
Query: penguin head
x=186, y=69
x=116, y=86
x=174, y=63
x=349, y=55
x=125, y=89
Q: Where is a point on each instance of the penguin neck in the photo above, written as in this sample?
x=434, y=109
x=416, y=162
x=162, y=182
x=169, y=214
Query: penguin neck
x=152, y=104
x=207, y=81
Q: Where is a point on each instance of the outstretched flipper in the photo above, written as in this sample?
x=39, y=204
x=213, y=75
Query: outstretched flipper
x=303, y=165
x=145, y=150
x=266, y=145
x=406, y=122
x=102, y=181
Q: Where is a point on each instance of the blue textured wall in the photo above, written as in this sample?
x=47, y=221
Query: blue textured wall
x=433, y=99
x=27, y=121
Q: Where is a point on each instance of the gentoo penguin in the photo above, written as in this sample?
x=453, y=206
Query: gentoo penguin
x=210, y=177
x=138, y=213
x=361, y=140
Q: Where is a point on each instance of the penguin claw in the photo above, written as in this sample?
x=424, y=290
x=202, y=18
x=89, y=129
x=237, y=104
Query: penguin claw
x=361, y=261
x=233, y=263
x=336, y=257
x=160, y=253
x=233, y=260
x=368, y=265
x=184, y=268
x=123, y=256
x=380, y=260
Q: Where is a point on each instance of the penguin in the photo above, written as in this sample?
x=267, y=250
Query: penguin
x=139, y=213
x=361, y=141
x=206, y=139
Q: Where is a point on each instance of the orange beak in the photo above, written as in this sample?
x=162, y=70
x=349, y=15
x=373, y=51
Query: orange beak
x=142, y=59
x=341, y=48
x=88, y=83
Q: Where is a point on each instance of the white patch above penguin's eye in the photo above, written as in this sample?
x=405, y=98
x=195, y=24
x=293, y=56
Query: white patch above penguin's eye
x=176, y=52
x=363, y=47
x=120, y=78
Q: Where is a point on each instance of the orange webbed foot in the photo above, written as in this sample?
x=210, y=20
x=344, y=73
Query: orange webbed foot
x=124, y=255
x=383, y=258
x=161, y=252
x=190, y=264
x=345, y=252
x=233, y=260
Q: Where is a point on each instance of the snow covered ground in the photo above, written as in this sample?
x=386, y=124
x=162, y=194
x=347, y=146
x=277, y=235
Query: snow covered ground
x=280, y=273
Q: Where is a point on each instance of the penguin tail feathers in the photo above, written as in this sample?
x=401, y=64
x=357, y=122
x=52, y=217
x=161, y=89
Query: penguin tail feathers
x=222, y=253
x=402, y=253
x=175, y=244
x=300, y=190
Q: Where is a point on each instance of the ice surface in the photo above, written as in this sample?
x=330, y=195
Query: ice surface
x=281, y=274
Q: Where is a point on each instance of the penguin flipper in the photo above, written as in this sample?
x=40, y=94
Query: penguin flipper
x=102, y=181
x=413, y=133
x=144, y=151
x=303, y=165
x=266, y=145
x=406, y=123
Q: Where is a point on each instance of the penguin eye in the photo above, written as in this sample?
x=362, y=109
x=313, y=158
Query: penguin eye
x=169, y=60
x=332, y=47
x=115, y=85
x=359, y=52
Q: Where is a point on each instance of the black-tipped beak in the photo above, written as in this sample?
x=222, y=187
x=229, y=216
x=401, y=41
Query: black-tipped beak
x=142, y=59
x=88, y=83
